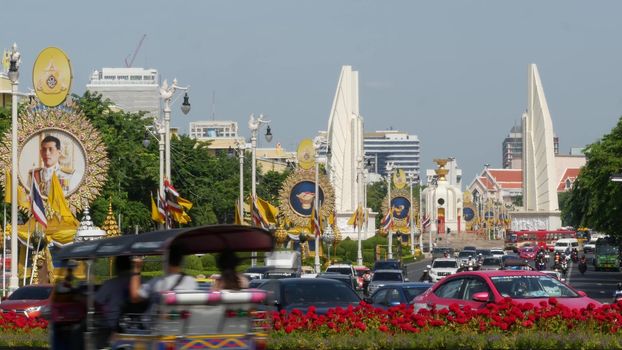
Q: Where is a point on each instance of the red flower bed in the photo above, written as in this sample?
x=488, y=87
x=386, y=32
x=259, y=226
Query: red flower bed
x=507, y=316
x=13, y=321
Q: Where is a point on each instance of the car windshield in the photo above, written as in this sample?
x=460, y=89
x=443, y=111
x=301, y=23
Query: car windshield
x=360, y=273
x=484, y=252
x=491, y=261
x=341, y=270
x=317, y=293
x=381, y=265
x=561, y=244
x=38, y=293
x=444, y=264
x=497, y=252
x=387, y=276
x=412, y=292
x=528, y=250
x=465, y=254
x=535, y=286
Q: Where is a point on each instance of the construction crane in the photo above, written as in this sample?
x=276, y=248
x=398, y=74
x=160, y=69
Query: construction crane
x=131, y=61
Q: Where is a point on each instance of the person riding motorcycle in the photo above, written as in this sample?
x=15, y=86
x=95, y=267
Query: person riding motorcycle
x=540, y=263
x=471, y=263
x=617, y=295
x=582, y=264
x=574, y=255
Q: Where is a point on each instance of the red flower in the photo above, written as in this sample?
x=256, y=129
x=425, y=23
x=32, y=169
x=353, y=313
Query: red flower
x=383, y=328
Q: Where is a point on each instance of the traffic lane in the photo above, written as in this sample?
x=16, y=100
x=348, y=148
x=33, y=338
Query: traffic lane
x=599, y=285
x=414, y=270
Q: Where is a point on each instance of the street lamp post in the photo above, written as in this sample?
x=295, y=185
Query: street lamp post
x=360, y=178
x=317, y=144
x=390, y=234
x=13, y=75
x=167, y=92
x=241, y=145
x=412, y=175
x=254, y=124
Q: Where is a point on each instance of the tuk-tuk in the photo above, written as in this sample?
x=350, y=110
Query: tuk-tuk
x=188, y=319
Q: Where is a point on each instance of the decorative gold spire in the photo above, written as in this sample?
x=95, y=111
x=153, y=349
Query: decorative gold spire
x=441, y=171
x=110, y=224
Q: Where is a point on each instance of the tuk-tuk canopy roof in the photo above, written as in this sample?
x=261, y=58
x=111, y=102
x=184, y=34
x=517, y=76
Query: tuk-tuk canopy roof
x=193, y=240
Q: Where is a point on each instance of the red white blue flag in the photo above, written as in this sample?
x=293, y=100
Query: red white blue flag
x=387, y=221
x=315, y=222
x=36, y=204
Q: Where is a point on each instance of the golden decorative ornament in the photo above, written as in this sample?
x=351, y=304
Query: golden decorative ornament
x=280, y=235
x=338, y=237
x=82, y=165
x=298, y=194
x=110, y=224
x=400, y=202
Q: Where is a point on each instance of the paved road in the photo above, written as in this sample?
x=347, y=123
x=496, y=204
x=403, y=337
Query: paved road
x=599, y=285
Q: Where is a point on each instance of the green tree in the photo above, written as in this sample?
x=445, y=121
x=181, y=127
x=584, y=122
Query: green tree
x=595, y=201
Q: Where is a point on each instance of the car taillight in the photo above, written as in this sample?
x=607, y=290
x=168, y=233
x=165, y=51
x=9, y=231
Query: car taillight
x=236, y=313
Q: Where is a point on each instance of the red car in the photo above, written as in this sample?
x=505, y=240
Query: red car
x=478, y=288
x=527, y=253
x=28, y=300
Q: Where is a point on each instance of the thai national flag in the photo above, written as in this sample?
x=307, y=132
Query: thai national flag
x=387, y=221
x=36, y=204
x=258, y=219
x=171, y=195
x=315, y=222
x=426, y=222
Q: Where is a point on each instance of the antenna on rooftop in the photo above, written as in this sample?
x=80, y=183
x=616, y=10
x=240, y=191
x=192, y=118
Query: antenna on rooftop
x=213, y=104
x=131, y=61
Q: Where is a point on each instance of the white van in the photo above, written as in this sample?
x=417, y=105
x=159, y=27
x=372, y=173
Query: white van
x=564, y=244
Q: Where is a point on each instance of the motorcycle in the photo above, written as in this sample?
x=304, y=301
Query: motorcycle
x=564, y=268
x=582, y=266
x=574, y=256
x=540, y=265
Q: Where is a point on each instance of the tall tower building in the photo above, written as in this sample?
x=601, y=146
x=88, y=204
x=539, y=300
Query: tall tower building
x=512, y=148
x=394, y=146
x=130, y=89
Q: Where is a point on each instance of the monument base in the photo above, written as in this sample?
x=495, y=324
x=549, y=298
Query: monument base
x=349, y=231
x=531, y=220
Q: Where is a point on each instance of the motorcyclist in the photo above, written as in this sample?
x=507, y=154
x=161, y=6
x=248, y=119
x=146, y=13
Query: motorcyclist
x=582, y=264
x=425, y=277
x=471, y=263
x=617, y=295
x=574, y=255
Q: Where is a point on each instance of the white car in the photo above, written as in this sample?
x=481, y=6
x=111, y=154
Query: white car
x=497, y=252
x=443, y=267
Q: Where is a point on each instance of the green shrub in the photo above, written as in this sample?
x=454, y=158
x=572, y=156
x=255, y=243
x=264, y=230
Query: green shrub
x=193, y=262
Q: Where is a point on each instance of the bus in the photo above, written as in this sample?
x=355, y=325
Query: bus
x=606, y=255
x=542, y=238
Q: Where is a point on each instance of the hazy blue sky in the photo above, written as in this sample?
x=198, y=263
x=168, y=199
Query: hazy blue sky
x=454, y=73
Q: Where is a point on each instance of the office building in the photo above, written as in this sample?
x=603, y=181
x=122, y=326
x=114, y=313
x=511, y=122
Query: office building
x=394, y=146
x=130, y=89
x=512, y=148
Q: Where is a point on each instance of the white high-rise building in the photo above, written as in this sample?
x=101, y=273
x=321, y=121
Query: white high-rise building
x=398, y=147
x=130, y=89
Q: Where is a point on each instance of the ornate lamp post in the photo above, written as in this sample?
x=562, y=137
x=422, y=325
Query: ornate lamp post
x=163, y=127
x=390, y=234
x=413, y=176
x=360, y=179
x=254, y=124
x=241, y=145
x=328, y=237
x=317, y=144
x=13, y=74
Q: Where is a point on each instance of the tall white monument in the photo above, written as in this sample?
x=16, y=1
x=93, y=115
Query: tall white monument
x=540, y=206
x=345, y=138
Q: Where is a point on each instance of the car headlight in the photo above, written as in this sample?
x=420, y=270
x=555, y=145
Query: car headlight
x=33, y=308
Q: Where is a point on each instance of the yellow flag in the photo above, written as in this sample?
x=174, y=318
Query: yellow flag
x=181, y=218
x=186, y=204
x=22, y=198
x=237, y=218
x=155, y=213
x=268, y=211
x=353, y=220
x=58, y=203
